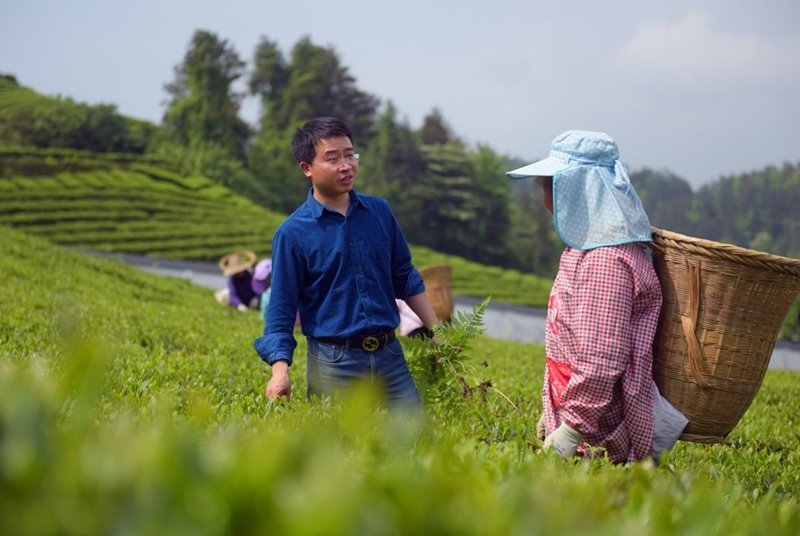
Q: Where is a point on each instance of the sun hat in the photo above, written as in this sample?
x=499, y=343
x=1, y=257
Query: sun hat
x=237, y=262
x=594, y=202
x=261, y=272
x=572, y=147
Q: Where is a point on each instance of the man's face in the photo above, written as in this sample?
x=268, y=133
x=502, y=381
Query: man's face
x=334, y=168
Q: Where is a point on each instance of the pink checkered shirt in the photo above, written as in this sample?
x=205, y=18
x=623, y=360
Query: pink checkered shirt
x=601, y=322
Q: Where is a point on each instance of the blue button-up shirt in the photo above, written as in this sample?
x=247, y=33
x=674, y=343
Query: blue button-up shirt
x=342, y=273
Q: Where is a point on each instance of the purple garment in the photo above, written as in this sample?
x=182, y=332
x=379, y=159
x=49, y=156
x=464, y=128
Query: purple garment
x=261, y=276
x=240, y=288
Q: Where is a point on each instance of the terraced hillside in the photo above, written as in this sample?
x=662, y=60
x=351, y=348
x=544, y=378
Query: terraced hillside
x=134, y=204
x=129, y=204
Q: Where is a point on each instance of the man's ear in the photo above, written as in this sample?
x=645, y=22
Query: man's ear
x=305, y=167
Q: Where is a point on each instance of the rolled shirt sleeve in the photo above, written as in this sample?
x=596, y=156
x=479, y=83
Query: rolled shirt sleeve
x=277, y=342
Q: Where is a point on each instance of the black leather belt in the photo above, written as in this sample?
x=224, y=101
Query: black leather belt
x=369, y=342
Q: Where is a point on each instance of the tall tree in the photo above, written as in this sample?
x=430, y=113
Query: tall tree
x=203, y=108
x=270, y=74
x=490, y=228
x=313, y=83
x=392, y=164
x=435, y=129
x=394, y=157
x=275, y=170
x=446, y=200
x=665, y=196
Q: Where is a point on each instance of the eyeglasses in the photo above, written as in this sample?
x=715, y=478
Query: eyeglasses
x=337, y=161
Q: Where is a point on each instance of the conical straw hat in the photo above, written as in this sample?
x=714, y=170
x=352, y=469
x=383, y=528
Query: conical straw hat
x=237, y=262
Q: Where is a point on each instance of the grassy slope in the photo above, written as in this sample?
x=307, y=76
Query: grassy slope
x=124, y=203
x=132, y=403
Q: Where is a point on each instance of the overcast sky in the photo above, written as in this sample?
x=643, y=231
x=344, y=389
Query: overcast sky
x=703, y=88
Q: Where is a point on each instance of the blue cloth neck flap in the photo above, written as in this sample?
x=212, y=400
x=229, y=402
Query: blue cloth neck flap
x=595, y=204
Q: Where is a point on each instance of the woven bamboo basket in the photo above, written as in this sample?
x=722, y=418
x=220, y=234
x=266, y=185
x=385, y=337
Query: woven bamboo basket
x=722, y=311
x=438, y=282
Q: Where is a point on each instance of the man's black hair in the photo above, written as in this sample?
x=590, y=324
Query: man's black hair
x=320, y=128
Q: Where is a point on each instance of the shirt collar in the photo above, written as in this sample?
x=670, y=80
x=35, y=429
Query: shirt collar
x=318, y=208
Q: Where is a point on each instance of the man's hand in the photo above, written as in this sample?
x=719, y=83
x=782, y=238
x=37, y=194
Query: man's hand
x=279, y=385
x=564, y=441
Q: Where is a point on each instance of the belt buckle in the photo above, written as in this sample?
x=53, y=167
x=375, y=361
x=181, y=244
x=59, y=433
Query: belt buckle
x=370, y=343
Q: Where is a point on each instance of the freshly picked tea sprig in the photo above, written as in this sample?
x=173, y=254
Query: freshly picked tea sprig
x=444, y=370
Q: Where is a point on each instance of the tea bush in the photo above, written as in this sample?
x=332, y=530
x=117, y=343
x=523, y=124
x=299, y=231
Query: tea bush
x=132, y=403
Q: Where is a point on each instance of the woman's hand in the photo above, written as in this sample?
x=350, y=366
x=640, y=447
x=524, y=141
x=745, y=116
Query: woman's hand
x=564, y=440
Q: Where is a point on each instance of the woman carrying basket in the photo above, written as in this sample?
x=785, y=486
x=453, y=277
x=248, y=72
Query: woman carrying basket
x=598, y=393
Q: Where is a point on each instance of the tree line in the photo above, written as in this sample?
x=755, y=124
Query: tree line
x=757, y=210
x=448, y=195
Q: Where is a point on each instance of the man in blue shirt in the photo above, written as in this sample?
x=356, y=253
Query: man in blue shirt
x=341, y=259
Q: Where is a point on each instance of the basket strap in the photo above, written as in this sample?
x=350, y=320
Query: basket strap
x=689, y=323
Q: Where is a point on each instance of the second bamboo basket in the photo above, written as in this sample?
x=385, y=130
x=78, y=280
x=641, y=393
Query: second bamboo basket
x=438, y=281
